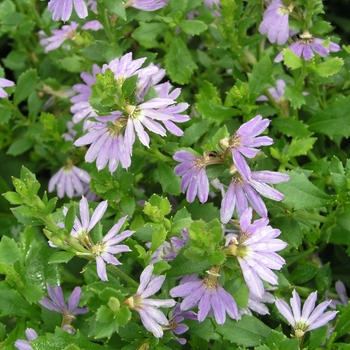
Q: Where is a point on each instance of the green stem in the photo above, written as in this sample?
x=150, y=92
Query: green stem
x=311, y=217
x=120, y=274
x=106, y=24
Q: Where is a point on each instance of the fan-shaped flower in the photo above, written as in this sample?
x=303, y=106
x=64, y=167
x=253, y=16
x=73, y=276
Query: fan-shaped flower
x=31, y=334
x=5, y=83
x=62, y=9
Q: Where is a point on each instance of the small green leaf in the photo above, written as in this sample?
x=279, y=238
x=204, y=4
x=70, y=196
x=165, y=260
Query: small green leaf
x=116, y=7
x=291, y=127
x=301, y=193
x=292, y=60
x=61, y=257
x=69, y=218
x=147, y=33
x=25, y=85
x=261, y=77
x=330, y=67
x=20, y=146
x=304, y=273
x=216, y=112
x=295, y=96
x=179, y=62
x=9, y=251
x=13, y=197
x=193, y=27
x=167, y=178
x=299, y=147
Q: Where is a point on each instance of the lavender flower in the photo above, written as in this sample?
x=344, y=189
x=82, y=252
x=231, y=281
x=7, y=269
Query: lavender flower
x=58, y=304
x=176, y=316
x=5, y=83
x=341, y=291
x=105, y=249
x=276, y=92
x=258, y=304
x=81, y=107
x=244, y=142
x=211, y=3
x=59, y=36
x=255, y=248
x=108, y=144
x=31, y=334
x=241, y=191
x=92, y=5
x=195, y=179
x=94, y=25
x=152, y=318
x=146, y=5
x=307, y=45
x=70, y=181
x=275, y=22
x=62, y=9
x=209, y=295
x=310, y=318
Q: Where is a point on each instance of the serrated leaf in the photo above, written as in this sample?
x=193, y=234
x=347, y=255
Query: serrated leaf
x=178, y=61
x=300, y=147
x=261, y=77
x=291, y=127
x=9, y=251
x=249, y=331
x=193, y=27
x=334, y=120
x=25, y=85
x=295, y=96
x=116, y=7
x=301, y=193
x=330, y=67
x=292, y=60
x=167, y=178
x=216, y=112
x=147, y=33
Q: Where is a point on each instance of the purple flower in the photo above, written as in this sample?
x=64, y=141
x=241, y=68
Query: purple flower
x=176, y=316
x=276, y=92
x=58, y=304
x=341, y=291
x=195, y=179
x=105, y=249
x=108, y=144
x=62, y=9
x=255, y=248
x=31, y=334
x=146, y=5
x=152, y=318
x=5, y=83
x=309, y=318
x=69, y=180
x=92, y=5
x=275, y=22
x=258, y=304
x=211, y=3
x=81, y=108
x=241, y=191
x=209, y=295
x=92, y=25
x=307, y=45
x=59, y=36
x=244, y=142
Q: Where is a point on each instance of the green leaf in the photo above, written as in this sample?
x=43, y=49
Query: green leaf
x=317, y=338
x=304, y=273
x=261, y=77
x=73, y=64
x=116, y=7
x=62, y=339
x=147, y=33
x=291, y=127
x=194, y=133
x=330, y=67
x=5, y=114
x=299, y=147
x=216, y=112
x=334, y=120
x=13, y=197
x=343, y=325
x=167, y=178
x=20, y=146
x=193, y=27
x=249, y=331
x=301, y=193
x=12, y=304
x=291, y=232
x=127, y=204
x=181, y=266
x=324, y=278
x=25, y=85
x=321, y=27
x=178, y=61
x=61, y=257
x=292, y=60
x=295, y=96
x=69, y=218
x=9, y=251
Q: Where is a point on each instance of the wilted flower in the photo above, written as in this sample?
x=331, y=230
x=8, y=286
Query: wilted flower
x=59, y=36
x=275, y=22
x=209, y=295
x=241, y=191
x=152, y=318
x=307, y=45
x=244, y=143
x=5, y=83
x=310, y=318
x=62, y=9
x=70, y=181
x=146, y=5
x=31, y=334
x=255, y=248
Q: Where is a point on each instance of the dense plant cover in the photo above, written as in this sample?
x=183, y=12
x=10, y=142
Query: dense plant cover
x=175, y=174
